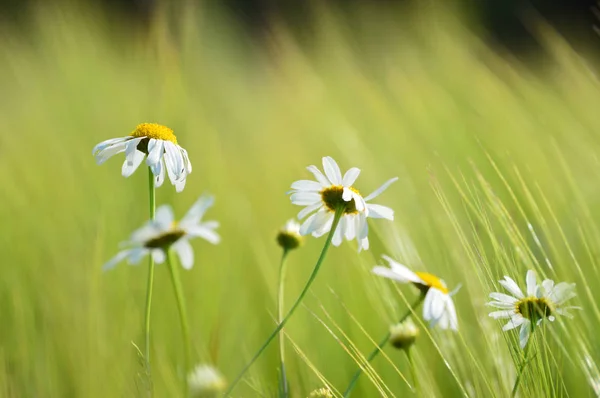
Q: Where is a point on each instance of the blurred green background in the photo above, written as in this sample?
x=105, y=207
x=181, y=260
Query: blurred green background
x=497, y=160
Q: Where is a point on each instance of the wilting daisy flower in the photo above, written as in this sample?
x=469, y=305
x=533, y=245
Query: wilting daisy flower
x=158, y=145
x=289, y=236
x=327, y=194
x=541, y=302
x=163, y=233
x=438, y=307
x=205, y=382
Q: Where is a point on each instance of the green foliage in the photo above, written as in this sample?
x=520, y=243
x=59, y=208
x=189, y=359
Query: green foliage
x=498, y=167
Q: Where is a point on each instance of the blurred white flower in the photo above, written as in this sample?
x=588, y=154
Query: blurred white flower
x=541, y=302
x=158, y=145
x=163, y=233
x=438, y=307
x=323, y=392
x=205, y=381
x=330, y=192
x=289, y=236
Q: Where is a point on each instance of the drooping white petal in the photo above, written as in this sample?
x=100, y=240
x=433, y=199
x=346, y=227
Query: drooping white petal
x=359, y=202
x=363, y=227
x=180, y=185
x=510, y=285
x=203, y=232
x=531, y=283
x=402, y=271
x=350, y=228
x=338, y=234
x=164, y=217
x=305, y=198
x=382, y=188
x=524, y=333
x=451, y=313
x=132, y=162
x=307, y=185
x=305, y=227
x=317, y=220
x=105, y=144
x=378, y=211
x=122, y=255
x=388, y=273
x=363, y=244
x=514, y=322
x=158, y=169
x=110, y=151
x=197, y=211
x=332, y=170
x=173, y=153
x=347, y=194
x=185, y=252
x=505, y=298
x=158, y=255
x=136, y=254
x=186, y=161
x=324, y=181
x=308, y=209
x=325, y=227
x=155, y=152
x=350, y=176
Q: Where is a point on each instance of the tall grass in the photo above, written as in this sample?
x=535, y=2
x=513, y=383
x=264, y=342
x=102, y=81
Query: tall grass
x=498, y=166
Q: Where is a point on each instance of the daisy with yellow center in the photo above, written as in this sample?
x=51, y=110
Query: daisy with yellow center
x=163, y=233
x=542, y=302
x=330, y=192
x=158, y=145
x=438, y=307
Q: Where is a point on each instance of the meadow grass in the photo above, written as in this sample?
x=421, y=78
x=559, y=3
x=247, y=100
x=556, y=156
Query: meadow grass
x=499, y=173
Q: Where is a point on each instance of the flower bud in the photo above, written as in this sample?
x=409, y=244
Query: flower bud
x=321, y=393
x=205, y=382
x=403, y=335
x=289, y=236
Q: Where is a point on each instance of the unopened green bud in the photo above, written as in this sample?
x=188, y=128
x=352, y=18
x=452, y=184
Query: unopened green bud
x=404, y=334
x=289, y=236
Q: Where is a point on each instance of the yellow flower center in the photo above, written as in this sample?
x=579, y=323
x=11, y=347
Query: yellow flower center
x=431, y=281
x=156, y=131
x=332, y=198
x=534, y=308
x=165, y=240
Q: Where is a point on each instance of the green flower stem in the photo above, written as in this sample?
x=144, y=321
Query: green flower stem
x=283, y=388
x=524, y=363
x=185, y=330
x=336, y=220
x=379, y=347
x=413, y=371
x=150, y=282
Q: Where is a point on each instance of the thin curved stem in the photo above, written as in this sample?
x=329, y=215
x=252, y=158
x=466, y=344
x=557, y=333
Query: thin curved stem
x=380, y=346
x=313, y=275
x=524, y=363
x=150, y=282
x=413, y=371
x=283, y=388
x=185, y=330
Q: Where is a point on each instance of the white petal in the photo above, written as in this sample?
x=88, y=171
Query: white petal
x=359, y=202
x=382, y=188
x=350, y=228
x=158, y=255
x=350, y=177
x=122, y=255
x=164, y=217
x=319, y=176
x=363, y=244
x=512, y=287
x=307, y=185
x=505, y=298
x=180, y=185
x=531, y=285
x=185, y=252
x=388, y=273
x=186, y=161
x=451, y=312
x=347, y=194
x=136, y=255
x=305, y=198
x=317, y=220
x=502, y=314
x=548, y=285
x=332, y=170
x=378, y=211
x=338, y=235
x=158, y=169
x=110, y=151
x=173, y=162
x=207, y=234
x=132, y=162
x=308, y=209
x=524, y=334
x=402, y=271
x=105, y=144
x=197, y=211
x=562, y=292
x=307, y=224
x=501, y=305
x=325, y=227
x=513, y=322
x=155, y=152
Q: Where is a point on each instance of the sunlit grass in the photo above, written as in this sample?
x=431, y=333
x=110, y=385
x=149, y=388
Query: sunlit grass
x=499, y=173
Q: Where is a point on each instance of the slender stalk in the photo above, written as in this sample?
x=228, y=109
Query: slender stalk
x=524, y=363
x=380, y=346
x=413, y=371
x=283, y=388
x=150, y=282
x=185, y=330
x=313, y=275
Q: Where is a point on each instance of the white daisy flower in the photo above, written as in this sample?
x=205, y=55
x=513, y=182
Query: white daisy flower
x=158, y=145
x=205, y=381
x=163, y=233
x=438, y=307
x=541, y=302
x=289, y=236
x=331, y=191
